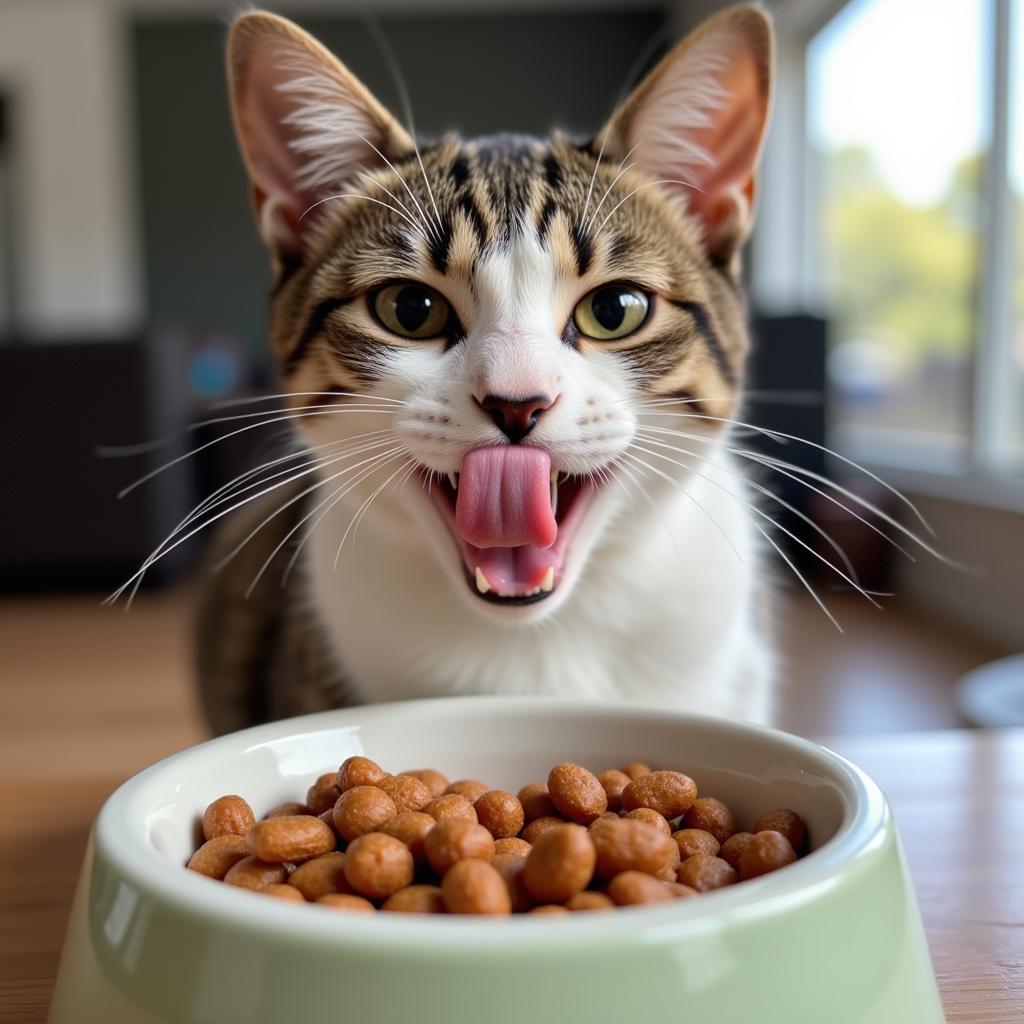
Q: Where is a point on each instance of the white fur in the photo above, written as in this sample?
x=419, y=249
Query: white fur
x=655, y=604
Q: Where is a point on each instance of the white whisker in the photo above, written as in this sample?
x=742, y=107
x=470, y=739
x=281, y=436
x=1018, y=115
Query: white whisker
x=369, y=199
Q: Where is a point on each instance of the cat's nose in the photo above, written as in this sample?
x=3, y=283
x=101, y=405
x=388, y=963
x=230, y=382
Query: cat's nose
x=515, y=417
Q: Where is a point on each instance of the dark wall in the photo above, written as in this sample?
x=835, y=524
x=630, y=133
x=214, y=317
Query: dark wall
x=205, y=268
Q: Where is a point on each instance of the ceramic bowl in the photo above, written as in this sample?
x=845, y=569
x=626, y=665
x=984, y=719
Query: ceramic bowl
x=835, y=937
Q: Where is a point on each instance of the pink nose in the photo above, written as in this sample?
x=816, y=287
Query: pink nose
x=515, y=417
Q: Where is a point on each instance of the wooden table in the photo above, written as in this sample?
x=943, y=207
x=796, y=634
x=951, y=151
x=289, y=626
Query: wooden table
x=958, y=797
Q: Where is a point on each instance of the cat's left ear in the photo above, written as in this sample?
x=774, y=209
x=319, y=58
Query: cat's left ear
x=698, y=120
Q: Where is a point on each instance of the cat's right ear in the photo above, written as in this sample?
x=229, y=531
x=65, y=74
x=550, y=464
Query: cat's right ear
x=305, y=124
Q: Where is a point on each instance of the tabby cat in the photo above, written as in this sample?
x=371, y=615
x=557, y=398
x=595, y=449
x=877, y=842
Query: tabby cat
x=508, y=362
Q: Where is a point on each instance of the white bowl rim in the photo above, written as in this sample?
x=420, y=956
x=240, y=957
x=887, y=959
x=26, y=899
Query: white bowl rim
x=120, y=839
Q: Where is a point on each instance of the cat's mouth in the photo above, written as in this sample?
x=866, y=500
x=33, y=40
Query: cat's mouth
x=513, y=519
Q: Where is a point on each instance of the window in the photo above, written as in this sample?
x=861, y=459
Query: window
x=915, y=126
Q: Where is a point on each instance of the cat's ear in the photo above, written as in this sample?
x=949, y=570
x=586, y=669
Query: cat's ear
x=305, y=124
x=699, y=118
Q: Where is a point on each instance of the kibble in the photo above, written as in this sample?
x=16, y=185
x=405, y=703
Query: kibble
x=321, y=876
x=408, y=794
x=289, y=838
x=434, y=781
x=789, y=823
x=500, y=813
x=712, y=816
x=227, y=816
x=451, y=805
x=377, y=865
x=767, y=851
x=362, y=809
x=703, y=872
x=560, y=865
x=576, y=793
x=455, y=839
x=668, y=793
x=366, y=840
x=475, y=887
x=358, y=771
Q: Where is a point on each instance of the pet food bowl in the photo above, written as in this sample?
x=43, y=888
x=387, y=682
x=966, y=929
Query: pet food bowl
x=834, y=937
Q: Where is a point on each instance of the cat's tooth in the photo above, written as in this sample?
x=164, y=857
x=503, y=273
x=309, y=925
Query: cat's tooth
x=481, y=581
x=548, y=583
x=453, y=479
x=554, y=492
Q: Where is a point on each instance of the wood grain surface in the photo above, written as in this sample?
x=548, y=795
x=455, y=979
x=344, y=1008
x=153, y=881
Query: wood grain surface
x=68, y=740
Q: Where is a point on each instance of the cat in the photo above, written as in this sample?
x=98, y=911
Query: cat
x=509, y=363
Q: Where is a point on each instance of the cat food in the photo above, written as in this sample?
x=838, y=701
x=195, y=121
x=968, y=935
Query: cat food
x=415, y=843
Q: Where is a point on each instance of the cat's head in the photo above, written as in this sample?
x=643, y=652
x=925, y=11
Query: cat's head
x=475, y=331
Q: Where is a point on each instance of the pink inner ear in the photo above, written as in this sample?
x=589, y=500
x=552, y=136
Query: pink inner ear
x=718, y=84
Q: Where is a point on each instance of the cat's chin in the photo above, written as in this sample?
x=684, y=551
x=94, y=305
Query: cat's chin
x=525, y=582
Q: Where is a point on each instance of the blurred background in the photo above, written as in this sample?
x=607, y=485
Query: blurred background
x=886, y=275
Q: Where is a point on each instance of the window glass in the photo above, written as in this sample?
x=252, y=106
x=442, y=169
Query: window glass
x=897, y=95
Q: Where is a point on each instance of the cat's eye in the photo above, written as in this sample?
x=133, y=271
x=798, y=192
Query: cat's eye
x=611, y=312
x=411, y=310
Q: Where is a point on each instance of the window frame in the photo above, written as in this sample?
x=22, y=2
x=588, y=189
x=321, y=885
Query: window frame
x=783, y=273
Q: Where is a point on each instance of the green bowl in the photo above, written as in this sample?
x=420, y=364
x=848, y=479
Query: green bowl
x=834, y=938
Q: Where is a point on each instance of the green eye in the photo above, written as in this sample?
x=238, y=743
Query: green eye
x=411, y=310
x=611, y=312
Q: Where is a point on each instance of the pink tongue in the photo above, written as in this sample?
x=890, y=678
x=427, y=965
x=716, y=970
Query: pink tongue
x=504, y=498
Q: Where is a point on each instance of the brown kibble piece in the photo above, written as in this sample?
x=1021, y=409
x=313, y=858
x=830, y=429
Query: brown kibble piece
x=217, y=856
x=288, y=809
x=227, y=816
x=500, y=813
x=253, y=873
x=358, y=771
x=455, y=839
x=680, y=891
x=549, y=908
x=636, y=769
x=536, y=801
x=650, y=817
x=283, y=891
x=614, y=782
x=788, y=822
x=733, y=847
x=668, y=793
x=520, y=847
x=695, y=840
x=589, y=901
x=323, y=794
x=290, y=838
x=362, y=809
x=630, y=845
x=320, y=876
x=471, y=789
x=409, y=794
x=451, y=805
x=475, y=887
x=411, y=828
x=377, y=865
x=576, y=793
x=711, y=815
x=633, y=887
x=345, y=901
x=560, y=864
x=416, y=899
x=767, y=851
x=703, y=872
x=607, y=816
x=510, y=867
x=433, y=780
x=538, y=827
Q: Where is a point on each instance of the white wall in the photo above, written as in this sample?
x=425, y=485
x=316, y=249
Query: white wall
x=64, y=62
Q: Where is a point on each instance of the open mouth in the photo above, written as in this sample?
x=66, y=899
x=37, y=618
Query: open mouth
x=513, y=519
